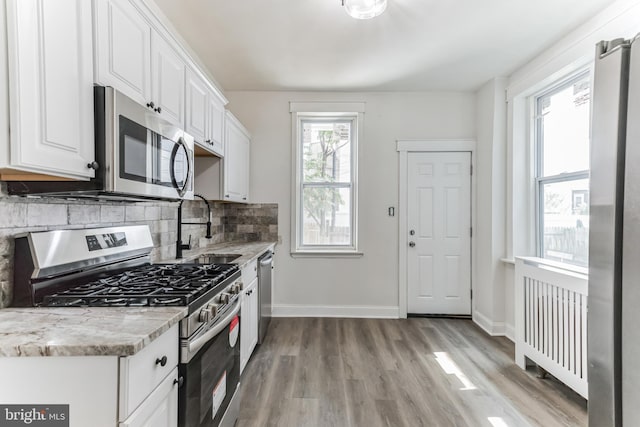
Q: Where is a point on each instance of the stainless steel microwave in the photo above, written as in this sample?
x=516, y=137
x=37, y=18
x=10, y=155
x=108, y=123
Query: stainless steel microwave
x=138, y=156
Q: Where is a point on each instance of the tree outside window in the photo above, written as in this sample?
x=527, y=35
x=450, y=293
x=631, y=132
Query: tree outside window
x=326, y=181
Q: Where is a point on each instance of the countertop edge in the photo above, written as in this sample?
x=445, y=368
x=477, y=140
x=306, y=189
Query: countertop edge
x=128, y=345
x=42, y=343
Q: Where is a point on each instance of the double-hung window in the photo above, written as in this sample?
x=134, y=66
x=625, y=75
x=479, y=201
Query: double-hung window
x=325, y=207
x=561, y=133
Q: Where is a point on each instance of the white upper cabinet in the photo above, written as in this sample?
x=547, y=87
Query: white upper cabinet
x=123, y=49
x=137, y=60
x=196, y=114
x=236, y=161
x=204, y=114
x=215, y=130
x=167, y=77
x=49, y=53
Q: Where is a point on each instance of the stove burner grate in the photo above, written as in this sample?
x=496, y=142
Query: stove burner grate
x=149, y=285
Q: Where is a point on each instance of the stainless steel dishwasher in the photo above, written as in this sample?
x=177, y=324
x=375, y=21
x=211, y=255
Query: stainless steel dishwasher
x=265, y=268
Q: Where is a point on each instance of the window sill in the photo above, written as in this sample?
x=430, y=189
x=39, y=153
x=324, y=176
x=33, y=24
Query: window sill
x=326, y=254
x=556, y=265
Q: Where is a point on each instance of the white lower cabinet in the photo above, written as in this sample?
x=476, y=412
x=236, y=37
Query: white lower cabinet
x=101, y=391
x=88, y=384
x=141, y=373
x=249, y=313
x=160, y=408
x=249, y=323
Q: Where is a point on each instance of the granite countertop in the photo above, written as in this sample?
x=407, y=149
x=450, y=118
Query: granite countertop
x=83, y=331
x=101, y=331
x=248, y=251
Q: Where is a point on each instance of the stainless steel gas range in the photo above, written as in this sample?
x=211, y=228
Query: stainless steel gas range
x=110, y=267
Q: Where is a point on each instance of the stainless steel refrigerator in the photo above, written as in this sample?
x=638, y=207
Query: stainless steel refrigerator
x=614, y=240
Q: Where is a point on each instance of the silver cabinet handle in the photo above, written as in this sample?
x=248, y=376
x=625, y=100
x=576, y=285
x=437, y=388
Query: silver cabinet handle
x=412, y=244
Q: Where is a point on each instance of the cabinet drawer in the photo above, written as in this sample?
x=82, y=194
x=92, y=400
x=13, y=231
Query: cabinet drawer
x=249, y=272
x=141, y=373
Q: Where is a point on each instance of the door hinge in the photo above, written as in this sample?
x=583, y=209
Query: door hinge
x=471, y=170
x=471, y=293
x=470, y=231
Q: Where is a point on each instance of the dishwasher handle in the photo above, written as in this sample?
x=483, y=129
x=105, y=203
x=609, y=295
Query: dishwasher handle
x=266, y=260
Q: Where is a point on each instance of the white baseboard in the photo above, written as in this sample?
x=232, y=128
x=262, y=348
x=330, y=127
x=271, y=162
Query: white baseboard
x=359, y=311
x=510, y=332
x=495, y=329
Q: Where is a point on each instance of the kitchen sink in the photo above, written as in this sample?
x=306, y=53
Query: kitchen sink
x=216, y=258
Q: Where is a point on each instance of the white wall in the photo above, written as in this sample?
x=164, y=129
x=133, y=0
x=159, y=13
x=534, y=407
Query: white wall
x=366, y=286
x=576, y=49
x=491, y=123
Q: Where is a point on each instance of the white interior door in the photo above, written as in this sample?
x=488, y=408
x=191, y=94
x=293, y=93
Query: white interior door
x=439, y=233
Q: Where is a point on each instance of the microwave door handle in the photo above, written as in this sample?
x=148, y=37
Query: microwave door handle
x=152, y=146
x=181, y=190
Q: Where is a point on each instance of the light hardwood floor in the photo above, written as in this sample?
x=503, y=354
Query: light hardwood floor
x=407, y=372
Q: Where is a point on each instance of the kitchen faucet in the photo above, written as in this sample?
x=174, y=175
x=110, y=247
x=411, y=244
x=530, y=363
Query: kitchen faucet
x=179, y=245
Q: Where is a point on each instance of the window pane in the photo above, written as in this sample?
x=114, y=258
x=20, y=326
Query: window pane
x=564, y=128
x=565, y=221
x=326, y=151
x=326, y=215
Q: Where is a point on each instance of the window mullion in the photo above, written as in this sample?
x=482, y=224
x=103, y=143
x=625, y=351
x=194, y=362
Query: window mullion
x=572, y=176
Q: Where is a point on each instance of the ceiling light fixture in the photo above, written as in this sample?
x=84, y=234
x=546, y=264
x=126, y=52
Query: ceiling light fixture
x=364, y=9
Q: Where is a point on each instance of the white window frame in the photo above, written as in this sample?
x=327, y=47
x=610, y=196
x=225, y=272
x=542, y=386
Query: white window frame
x=537, y=146
x=301, y=111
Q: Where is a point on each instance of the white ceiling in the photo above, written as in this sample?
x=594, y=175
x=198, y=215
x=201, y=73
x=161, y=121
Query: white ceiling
x=414, y=45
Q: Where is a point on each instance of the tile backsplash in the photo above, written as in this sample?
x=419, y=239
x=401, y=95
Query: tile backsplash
x=230, y=222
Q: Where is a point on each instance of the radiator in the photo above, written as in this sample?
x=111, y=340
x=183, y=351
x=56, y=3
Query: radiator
x=551, y=320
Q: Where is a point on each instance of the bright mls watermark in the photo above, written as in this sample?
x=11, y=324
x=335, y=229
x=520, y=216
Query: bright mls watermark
x=34, y=415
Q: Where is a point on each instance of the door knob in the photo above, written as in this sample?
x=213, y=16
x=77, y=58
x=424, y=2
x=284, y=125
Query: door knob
x=412, y=244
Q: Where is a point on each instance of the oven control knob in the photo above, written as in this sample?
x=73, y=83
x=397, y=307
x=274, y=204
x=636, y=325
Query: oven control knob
x=224, y=298
x=235, y=289
x=240, y=286
x=204, y=315
x=213, y=310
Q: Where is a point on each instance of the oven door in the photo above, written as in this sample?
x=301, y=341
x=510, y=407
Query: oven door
x=209, y=393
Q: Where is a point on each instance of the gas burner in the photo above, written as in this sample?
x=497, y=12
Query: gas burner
x=147, y=285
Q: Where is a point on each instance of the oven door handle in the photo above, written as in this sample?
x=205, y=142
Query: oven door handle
x=199, y=342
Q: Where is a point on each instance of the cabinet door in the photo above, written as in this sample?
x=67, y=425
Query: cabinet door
x=168, y=77
x=51, y=86
x=249, y=323
x=142, y=372
x=236, y=162
x=215, y=132
x=196, y=112
x=160, y=408
x=254, y=308
x=245, y=327
x=123, y=43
